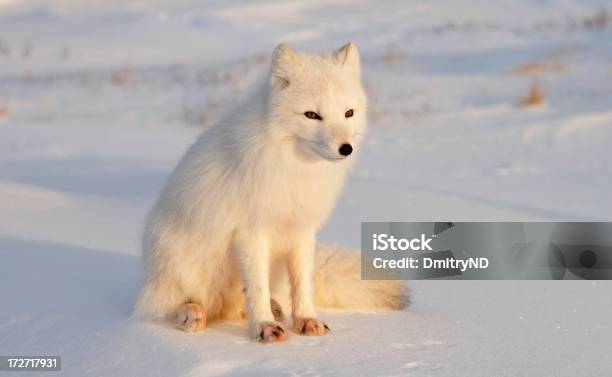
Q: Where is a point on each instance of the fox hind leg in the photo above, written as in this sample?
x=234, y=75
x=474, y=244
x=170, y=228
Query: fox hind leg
x=191, y=318
x=277, y=311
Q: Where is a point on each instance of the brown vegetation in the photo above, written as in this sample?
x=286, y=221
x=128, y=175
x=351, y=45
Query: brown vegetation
x=537, y=67
x=535, y=96
x=4, y=111
x=121, y=77
x=393, y=55
x=598, y=21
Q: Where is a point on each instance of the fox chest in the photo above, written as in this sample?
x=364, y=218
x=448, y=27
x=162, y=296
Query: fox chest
x=300, y=203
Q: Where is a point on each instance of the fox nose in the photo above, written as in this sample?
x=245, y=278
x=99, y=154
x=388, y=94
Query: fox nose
x=345, y=149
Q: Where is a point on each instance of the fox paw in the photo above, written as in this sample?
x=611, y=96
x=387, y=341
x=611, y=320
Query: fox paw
x=310, y=326
x=190, y=317
x=270, y=332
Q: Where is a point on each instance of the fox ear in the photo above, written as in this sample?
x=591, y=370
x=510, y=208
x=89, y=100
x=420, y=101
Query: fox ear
x=285, y=65
x=348, y=57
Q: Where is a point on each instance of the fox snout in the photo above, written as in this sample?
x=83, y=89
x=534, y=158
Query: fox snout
x=339, y=141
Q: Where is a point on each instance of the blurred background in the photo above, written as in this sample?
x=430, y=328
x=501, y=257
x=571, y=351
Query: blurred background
x=479, y=110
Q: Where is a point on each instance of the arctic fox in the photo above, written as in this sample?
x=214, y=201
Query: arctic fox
x=237, y=219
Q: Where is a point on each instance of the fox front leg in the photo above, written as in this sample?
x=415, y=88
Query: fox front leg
x=253, y=256
x=300, y=264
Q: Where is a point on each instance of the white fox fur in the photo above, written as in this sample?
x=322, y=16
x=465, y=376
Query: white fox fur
x=248, y=198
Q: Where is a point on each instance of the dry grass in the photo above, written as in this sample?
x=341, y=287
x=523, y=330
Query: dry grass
x=195, y=116
x=535, y=96
x=394, y=55
x=4, y=111
x=598, y=21
x=4, y=49
x=261, y=58
x=121, y=77
x=537, y=67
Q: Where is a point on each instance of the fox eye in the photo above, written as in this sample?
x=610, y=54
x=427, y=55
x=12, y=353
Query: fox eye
x=312, y=115
x=349, y=113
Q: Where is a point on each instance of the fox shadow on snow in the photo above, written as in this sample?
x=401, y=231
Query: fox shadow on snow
x=68, y=300
x=110, y=178
x=72, y=285
x=44, y=279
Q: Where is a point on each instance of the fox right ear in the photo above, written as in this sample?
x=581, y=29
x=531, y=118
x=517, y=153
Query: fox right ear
x=285, y=65
x=348, y=57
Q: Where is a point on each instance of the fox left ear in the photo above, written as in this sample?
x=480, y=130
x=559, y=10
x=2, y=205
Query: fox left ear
x=348, y=57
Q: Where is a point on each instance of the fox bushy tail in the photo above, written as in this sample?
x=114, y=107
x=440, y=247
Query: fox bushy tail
x=338, y=283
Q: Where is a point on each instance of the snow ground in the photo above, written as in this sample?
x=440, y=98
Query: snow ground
x=99, y=99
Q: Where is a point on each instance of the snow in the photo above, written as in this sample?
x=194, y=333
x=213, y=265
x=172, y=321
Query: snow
x=99, y=99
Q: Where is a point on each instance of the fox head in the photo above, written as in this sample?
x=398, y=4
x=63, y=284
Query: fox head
x=317, y=101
